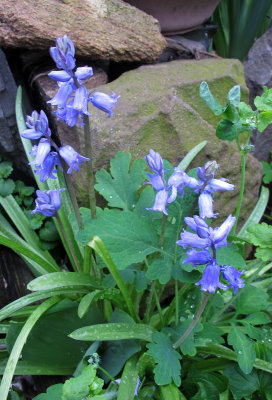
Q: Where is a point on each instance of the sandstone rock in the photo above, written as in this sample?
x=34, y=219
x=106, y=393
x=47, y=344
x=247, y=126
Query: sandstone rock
x=160, y=108
x=102, y=29
x=258, y=73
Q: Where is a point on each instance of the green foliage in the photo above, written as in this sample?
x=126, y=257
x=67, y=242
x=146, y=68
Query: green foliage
x=238, y=26
x=206, y=385
x=128, y=238
x=244, y=349
x=251, y=300
x=261, y=236
x=168, y=367
x=85, y=386
x=238, y=117
x=120, y=188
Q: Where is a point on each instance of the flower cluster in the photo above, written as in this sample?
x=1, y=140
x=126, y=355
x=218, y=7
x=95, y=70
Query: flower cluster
x=46, y=161
x=48, y=202
x=205, y=186
x=204, y=238
x=72, y=98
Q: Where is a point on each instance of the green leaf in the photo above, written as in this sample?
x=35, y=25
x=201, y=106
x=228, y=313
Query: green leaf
x=19, y=344
x=208, y=334
x=119, y=188
x=256, y=214
x=230, y=256
x=258, y=318
x=226, y=130
x=86, y=301
x=48, y=344
x=234, y=95
x=128, y=380
x=209, y=384
x=264, y=119
x=206, y=95
x=62, y=280
x=267, y=172
x=261, y=235
x=6, y=187
x=128, y=238
x=5, y=169
x=243, y=347
x=264, y=254
x=49, y=232
x=26, y=191
x=54, y=392
x=264, y=102
x=31, y=298
x=78, y=388
x=241, y=384
x=160, y=269
x=251, y=300
x=35, y=220
x=246, y=114
x=167, y=359
x=124, y=348
x=187, y=347
x=113, y=331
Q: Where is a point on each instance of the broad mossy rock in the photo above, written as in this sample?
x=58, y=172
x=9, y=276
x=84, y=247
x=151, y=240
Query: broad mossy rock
x=160, y=108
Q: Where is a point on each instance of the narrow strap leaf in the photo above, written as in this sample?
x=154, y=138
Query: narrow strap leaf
x=64, y=280
x=98, y=246
x=21, y=249
x=191, y=155
x=22, y=302
x=256, y=214
x=113, y=331
x=128, y=380
x=19, y=344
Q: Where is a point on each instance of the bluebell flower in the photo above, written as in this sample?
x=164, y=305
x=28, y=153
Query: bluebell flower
x=83, y=73
x=80, y=102
x=233, y=276
x=161, y=201
x=155, y=162
x=206, y=186
x=60, y=76
x=48, y=202
x=37, y=126
x=41, y=151
x=71, y=157
x=205, y=236
x=197, y=257
x=48, y=167
x=104, y=101
x=210, y=279
x=63, y=94
x=63, y=53
x=70, y=115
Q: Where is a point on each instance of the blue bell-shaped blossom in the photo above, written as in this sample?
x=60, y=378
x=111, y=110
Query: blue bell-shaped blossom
x=41, y=151
x=210, y=279
x=37, y=126
x=197, y=257
x=104, y=101
x=155, y=162
x=233, y=276
x=48, y=167
x=48, y=202
x=63, y=53
x=71, y=157
x=61, y=97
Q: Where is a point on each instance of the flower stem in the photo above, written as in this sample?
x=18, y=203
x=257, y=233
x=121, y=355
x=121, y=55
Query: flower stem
x=164, y=219
x=68, y=243
x=177, y=301
x=90, y=174
x=241, y=194
x=195, y=321
x=107, y=374
x=73, y=199
x=158, y=306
